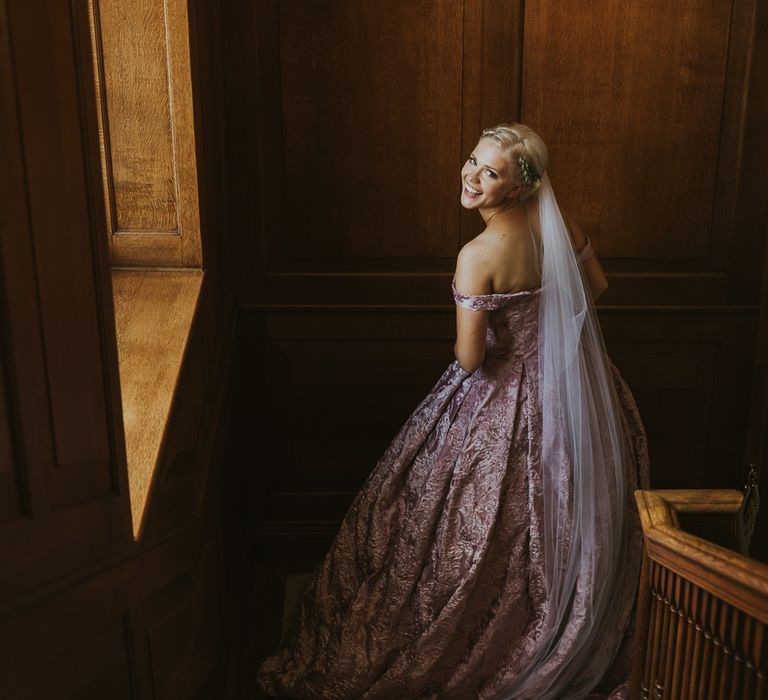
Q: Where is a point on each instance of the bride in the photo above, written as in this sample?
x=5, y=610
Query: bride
x=493, y=551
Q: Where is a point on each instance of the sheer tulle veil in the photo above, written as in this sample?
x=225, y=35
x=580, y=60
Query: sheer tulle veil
x=585, y=452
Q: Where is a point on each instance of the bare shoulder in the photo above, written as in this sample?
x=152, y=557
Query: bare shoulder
x=578, y=236
x=473, y=267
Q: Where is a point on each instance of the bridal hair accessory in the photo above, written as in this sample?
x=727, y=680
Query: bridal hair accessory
x=531, y=177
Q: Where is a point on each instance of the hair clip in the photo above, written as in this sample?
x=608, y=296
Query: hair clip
x=530, y=175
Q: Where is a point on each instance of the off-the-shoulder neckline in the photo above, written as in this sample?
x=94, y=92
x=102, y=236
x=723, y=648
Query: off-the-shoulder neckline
x=493, y=294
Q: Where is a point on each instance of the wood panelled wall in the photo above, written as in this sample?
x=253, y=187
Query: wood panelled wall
x=65, y=468
x=349, y=123
x=146, y=131
x=86, y=610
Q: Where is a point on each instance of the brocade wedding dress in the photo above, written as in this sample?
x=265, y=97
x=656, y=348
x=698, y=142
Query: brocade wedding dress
x=434, y=586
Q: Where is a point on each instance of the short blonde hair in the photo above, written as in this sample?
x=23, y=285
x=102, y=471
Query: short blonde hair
x=527, y=153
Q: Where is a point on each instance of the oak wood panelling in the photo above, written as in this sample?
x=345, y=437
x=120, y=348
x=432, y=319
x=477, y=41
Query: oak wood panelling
x=690, y=373
x=757, y=437
x=351, y=120
x=645, y=123
x=148, y=624
x=644, y=107
x=142, y=60
x=99, y=667
x=183, y=628
x=9, y=487
x=655, y=114
x=755, y=188
x=169, y=588
x=335, y=386
x=66, y=271
x=617, y=112
x=747, y=117
x=140, y=130
x=61, y=389
x=85, y=609
x=353, y=75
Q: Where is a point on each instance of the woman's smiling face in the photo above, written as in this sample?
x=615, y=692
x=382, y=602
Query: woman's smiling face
x=486, y=178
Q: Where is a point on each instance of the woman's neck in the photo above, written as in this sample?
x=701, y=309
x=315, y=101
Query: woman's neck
x=496, y=214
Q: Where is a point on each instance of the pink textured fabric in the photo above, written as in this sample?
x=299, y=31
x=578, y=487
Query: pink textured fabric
x=433, y=588
x=586, y=252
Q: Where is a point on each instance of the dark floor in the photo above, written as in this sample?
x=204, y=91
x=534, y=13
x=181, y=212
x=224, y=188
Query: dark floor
x=272, y=586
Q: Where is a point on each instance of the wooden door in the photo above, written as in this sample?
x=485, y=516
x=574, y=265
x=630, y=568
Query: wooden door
x=85, y=609
x=63, y=466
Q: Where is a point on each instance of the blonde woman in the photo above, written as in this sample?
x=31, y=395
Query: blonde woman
x=493, y=551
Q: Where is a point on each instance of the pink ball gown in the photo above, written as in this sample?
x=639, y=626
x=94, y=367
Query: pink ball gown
x=433, y=587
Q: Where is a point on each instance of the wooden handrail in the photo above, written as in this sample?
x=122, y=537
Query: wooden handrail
x=691, y=501
x=702, y=619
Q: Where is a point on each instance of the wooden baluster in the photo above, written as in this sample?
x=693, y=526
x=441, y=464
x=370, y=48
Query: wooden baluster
x=698, y=648
x=645, y=688
x=705, y=626
x=653, y=631
x=664, y=636
x=736, y=680
x=723, y=674
x=749, y=688
x=652, y=605
x=716, y=658
x=681, y=658
x=761, y=663
x=705, y=660
x=693, y=642
x=673, y=640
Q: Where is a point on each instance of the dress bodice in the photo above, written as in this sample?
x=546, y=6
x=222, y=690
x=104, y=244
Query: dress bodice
x=512, y=321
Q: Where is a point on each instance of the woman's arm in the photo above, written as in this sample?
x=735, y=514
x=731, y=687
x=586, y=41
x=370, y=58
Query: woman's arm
x=472, y=277
x=598, y=282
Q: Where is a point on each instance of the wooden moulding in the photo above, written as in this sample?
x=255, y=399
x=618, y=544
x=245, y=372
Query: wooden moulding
x=736, y=579
x=146, y=131
x=154, y=311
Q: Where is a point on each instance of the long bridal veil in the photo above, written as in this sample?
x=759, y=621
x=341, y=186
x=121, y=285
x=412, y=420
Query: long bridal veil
x=584, y=494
